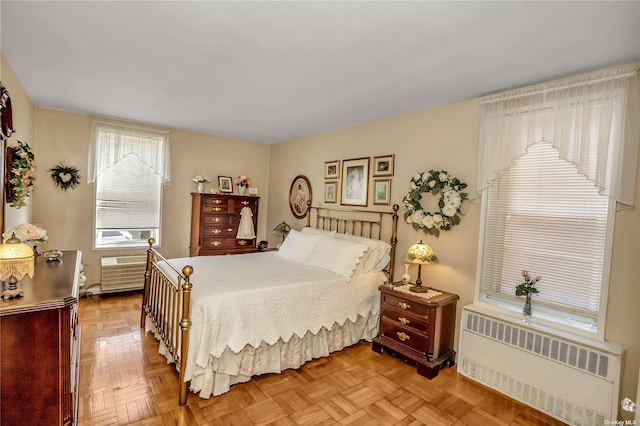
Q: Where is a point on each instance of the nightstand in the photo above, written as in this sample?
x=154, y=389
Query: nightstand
x=417, y=328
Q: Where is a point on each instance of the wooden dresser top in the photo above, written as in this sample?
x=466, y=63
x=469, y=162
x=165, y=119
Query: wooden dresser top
x=54, y=285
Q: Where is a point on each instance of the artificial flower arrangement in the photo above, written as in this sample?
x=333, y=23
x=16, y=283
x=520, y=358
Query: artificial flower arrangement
x=26, y=232
x=528, y=287
x=201, y=178
x=21, y=175
x=243, y=181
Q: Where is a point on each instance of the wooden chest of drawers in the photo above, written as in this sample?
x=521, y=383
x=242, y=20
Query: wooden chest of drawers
x=40, y=347
x=417, y=328
x=214, y=224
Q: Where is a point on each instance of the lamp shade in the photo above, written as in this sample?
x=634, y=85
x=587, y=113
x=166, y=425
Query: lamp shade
x=16, y=259
x=420, y=254
x=282, y=229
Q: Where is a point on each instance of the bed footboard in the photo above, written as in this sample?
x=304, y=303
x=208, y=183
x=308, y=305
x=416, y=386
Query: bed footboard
x=166, y=303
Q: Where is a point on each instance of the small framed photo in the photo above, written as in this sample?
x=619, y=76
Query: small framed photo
x=355, y=180
x=382, y=192
x=332, y=169
x=383, y=165
x=330, y=192
x=253, y=191
x=225, y=183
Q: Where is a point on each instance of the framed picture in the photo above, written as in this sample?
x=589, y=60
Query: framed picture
x=383, y=165
x=253, y=191
x=355, y=177
x=330, y=192
x=299, y=195
x=225, y=183
x=382, y=192
x=332, y=169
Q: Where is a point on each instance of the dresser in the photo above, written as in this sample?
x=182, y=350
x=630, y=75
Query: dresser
x=214, y=224
x=40, y=346
x=417, y=328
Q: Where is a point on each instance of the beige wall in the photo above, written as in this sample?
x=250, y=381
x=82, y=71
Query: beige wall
x=68, y=215
x=445, y=138
x=23, y=113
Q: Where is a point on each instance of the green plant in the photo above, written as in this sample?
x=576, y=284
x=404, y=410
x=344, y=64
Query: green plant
x=528, y=287
x=21, y=175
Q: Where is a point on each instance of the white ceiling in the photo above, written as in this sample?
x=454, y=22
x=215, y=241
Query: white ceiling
x=272, y=71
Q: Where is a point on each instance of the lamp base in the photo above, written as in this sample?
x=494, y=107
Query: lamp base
x=419, y=289
x=11, y=293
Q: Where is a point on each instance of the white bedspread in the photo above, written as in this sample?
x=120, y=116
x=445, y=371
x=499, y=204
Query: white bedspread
x=262, y=297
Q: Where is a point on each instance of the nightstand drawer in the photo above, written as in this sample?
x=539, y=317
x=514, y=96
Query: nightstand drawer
x=404, y=305
x=419, y=342
x=405, y=318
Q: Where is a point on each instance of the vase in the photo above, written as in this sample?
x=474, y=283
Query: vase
x=526, y=309
x=201, y=187
x=241, y=189
x=406, y=278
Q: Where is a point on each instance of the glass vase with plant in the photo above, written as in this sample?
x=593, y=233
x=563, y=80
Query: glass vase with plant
x=527, y=289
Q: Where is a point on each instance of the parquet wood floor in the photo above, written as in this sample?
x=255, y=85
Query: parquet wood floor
x=124, y=381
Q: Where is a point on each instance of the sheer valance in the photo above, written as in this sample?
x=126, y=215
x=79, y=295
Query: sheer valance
x=113, y=141
x=593, y=120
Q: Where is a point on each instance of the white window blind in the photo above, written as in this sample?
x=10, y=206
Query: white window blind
x=543, y=216
x=130, y=167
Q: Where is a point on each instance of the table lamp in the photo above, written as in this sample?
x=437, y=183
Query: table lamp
x=16, y=261
x=420, y=254
x=282, y=229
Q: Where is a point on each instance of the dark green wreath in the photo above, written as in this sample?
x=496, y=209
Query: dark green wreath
x=65, y=177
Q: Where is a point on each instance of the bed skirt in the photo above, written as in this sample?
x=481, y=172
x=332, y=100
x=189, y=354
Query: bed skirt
x=231, y=368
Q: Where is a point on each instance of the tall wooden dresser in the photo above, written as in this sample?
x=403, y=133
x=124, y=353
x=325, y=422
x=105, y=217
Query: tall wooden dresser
x=214, y=224
x=40, y=346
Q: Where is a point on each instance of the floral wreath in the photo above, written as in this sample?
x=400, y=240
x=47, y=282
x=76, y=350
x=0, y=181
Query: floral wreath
x=451, y=198
x=20, y=182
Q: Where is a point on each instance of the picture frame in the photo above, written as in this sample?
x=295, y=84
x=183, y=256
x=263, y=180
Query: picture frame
x=383, y=165
x=226, y=184
x=355, y=179
x=300, y=196
x=382, y=192
x=253, y=191
x=331, y=192
x=332, y=169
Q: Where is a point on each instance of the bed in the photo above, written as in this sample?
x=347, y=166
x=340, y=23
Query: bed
x=224, y=319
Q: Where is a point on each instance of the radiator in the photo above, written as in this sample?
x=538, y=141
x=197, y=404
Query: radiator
x=123, y=273
x=573, y=379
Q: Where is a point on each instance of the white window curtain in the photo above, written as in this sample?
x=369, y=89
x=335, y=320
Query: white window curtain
x=113, y=141
x=592, y=120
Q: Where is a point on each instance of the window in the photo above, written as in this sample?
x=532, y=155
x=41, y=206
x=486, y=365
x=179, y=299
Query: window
x=543, y=216
x=128, y=165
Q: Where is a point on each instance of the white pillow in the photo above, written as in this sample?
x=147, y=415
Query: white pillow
x=298, y=246
x=337, y=256
x=376, y=252
x=317, y=231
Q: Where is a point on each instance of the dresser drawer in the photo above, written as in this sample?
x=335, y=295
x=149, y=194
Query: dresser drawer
x=418, y=342
x=220, y=231
x=208, y=201
x=224, y=243
x=404, y=305
x=219, y=219
x=215, y=209
x=405, y=318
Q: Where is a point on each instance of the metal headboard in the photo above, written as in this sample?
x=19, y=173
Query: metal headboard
x=364, y=223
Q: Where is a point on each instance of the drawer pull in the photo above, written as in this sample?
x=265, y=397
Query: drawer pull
x=217, y=219
x=217, y=209
x=404, y=321
x=229, y=229
x=245, y=203
x=216, y=231
x=216, y=243
x=217, y=201
x=404, y=305
x=403, y=336
x=242, y=242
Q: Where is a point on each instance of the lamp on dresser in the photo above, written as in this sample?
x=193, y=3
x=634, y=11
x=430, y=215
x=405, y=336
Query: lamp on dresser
x=16, y=261
x=420, y=254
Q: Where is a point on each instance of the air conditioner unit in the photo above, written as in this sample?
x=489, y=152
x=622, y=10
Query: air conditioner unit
x=123, y=273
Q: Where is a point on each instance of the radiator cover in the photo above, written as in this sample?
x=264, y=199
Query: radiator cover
x=570, y=378
x=123, y=273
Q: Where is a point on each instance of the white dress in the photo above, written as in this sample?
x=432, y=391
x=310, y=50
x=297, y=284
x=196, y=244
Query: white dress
x=245, y=229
